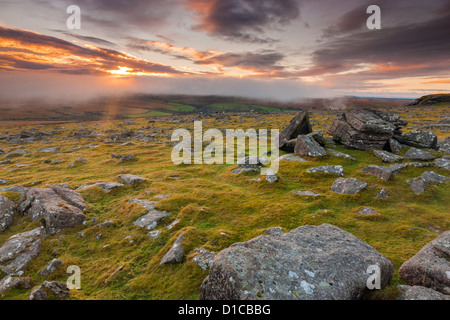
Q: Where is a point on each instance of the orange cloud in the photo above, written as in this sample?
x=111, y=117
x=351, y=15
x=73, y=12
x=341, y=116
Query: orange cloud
x=25, y=50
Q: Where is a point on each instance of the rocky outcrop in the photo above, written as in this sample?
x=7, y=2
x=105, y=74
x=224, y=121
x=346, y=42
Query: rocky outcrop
x=308, y=263
x=18, y=252
x=431, y=99
x=365, y=129
x=51, y=209
x=299, y=125
x=430, y=267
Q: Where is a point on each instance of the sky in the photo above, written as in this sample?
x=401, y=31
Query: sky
x=279, y=49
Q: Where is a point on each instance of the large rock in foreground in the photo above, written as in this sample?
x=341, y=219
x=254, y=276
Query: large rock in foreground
x=55, y=209
x=430, y=267
x=7, y=208
x=366, y=129
x=308, y=263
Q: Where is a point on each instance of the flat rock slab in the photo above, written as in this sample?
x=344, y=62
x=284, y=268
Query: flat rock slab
x=348, y=186
x=250, y=162
x=130, y=179
x=387, y=156
x=7, y=208
x=336, y=170
x=57, y=213
x=153, y=217
x=105, y=186
x=338, y=154
x=420, y=293
x=384, y=173
x=290, y=157
x=430, y=267
x=49, y=150
x=418, y=154
x=420, y=184
x=308, y=263
x=72, y=197
x=18, y=252
x=242, y=170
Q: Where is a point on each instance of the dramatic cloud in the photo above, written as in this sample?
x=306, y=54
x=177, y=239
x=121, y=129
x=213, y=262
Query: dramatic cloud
x=243, y=20
x=33, y=51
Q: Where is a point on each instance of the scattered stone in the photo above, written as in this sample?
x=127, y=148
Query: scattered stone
x=420, y=293
x=442, y=163
x=99, y=236
x=9, y=282
x=387, y=156
x=249, y=162
x=49, y=150
x=77, y=162
x=153, y=217
x=384, y=173
x=127, y=158
x=367, y=211
x=445, y=146
x=340, y=154
x=420, y=184
x=308, y=263
x=130, y=179
x=175, y=222
x=290, y=157
x=3, y=182
x=204, y=259
x=56, y=213
x=105, y=224
x=418, y=139
x=336, y=170
x=383, y=194
x=307, y=146
x=175, y=253
x=59, y=289
x=348, y=186
x=51, y=267
x=18, y=252
x=106, y=186
x=417, y=154
x=17, y=153
x=241, y=170
x=298, y=125
x=306, y=193
x=6, y=212
x=430, y=267
x=271, y=178
x=154, y=234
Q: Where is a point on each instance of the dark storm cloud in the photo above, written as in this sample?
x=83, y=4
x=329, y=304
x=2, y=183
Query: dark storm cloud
x=243, y=20
x=413, y=49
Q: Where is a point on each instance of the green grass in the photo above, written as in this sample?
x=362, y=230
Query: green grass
x=215, y=208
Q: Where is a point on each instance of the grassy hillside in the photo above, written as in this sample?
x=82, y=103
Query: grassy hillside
x=215, y=207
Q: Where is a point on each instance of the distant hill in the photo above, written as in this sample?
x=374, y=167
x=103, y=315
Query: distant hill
x=432, y=99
